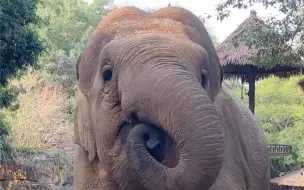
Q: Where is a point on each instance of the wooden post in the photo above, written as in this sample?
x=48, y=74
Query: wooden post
x=301, y=83
x=251, y=92
x=242, y=90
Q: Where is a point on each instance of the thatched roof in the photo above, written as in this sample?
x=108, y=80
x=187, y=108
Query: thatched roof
x=292, y=179
x=236, y=59
x=230, y=54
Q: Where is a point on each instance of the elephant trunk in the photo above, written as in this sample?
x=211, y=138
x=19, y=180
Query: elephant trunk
x=180, y=107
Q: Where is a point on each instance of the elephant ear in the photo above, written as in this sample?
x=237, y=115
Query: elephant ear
x=209, y=80
x=215, y=70
x=88, y=61
x=83, y=129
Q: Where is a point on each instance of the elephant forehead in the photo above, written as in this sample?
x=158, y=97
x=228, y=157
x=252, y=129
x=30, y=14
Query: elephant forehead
x=147, y=45
x=132, y=13
x=154, y=49
x=165, y=27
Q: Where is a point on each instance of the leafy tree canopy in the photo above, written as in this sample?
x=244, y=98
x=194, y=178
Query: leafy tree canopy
x=20, y=45
x=19, y=48
x=65, y=28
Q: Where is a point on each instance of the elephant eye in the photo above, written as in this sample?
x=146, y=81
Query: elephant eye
x=107, y=73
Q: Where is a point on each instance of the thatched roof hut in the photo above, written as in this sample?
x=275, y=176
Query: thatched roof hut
x=236, y=59
x=237, y=62
x=291, y=180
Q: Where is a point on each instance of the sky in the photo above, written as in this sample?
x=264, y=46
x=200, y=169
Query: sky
x=216, y=28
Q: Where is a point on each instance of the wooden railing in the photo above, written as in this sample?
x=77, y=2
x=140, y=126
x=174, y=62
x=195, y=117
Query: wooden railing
x=279, y=150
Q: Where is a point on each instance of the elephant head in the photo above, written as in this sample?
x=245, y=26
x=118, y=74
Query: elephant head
x=145, y=111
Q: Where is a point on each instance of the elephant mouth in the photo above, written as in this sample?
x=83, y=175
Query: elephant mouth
x=154, y=138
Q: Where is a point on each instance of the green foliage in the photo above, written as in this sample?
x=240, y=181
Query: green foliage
x=5, y=149
x=280, y=109
x=279, y=41
x=66, y=26
x=8, y=96
x=20, y=45
x=236, y=89
x=214, y=40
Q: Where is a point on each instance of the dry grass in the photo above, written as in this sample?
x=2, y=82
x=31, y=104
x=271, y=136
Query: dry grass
x=41, y=120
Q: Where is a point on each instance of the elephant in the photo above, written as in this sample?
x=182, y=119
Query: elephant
x=152, y=110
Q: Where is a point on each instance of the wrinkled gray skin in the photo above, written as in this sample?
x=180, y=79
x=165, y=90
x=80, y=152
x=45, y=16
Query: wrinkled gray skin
x=152, y=115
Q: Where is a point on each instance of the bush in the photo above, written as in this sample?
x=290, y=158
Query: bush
x=280, y=110
x=5, y=130
x=44, y=118
x=66, y=27
x=20, y=47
